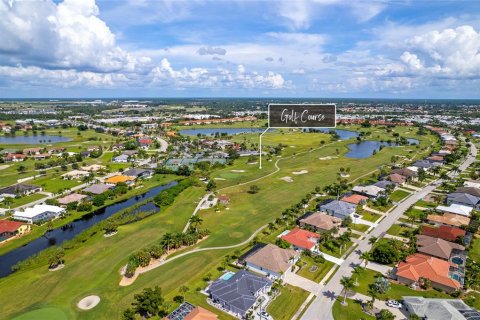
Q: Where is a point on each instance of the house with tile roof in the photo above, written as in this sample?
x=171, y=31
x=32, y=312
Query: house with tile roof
x=74, y=197
x=9, y=229
x=437, y=247
x=98, y=188
x=320, y=222
x=448, y=233
x=418, y=266
x=301, y=239
x=369, y=191
x=397, y=178
x=119, y=179
x=239, y=293
x=271, y=261
x=355, y=199
x=449, y=219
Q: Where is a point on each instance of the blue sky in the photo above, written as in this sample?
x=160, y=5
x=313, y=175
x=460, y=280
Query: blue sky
x=287, y=48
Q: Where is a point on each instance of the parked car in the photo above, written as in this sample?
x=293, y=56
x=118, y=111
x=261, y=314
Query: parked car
x=264, y=315
x=394, y=304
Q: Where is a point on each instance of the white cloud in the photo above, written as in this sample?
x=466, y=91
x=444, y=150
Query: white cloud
x=203, y=51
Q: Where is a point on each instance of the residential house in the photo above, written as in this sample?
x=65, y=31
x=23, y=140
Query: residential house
x=424, y=164
x=74, y=197
x=301, y=239
x=448, y=233
x=223, y=199
x=355, y=199
x=41, y=156
x=472, y=184
x=271, y=261
x=123, y=158
x=97, y=188
x=433, y=308
x=385, y=184
x=448, y=219
x=85, y=154
x=15, y=157
x=471, y=191
x=436, y=159
x=38, y=213
x=239, y=293
x=463, y=199
x=187, y=311
x=138, y=173
x=457, y=209
x=320, y=222
x=130, y=153
x=397, y=178
x=144, y=143
x=9, y=229
x=418, y=266
x=338, y=208
x=437, y=247
x=75, y=174
x=369, y=191
x=120, y=179
x=21, y=189
x=407, y=173
x=32, y=151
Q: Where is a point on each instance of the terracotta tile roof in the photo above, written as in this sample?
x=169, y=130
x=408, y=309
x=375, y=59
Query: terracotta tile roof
x=404, y=172
x=118, y=179
x=448, y=233
x=301, y=238
x=271, y=257
x=355, y=198
x=436, y=247
x=74, y=197
x=450, y=219
x=10, y=226
x=420, y=265
x=322, y=221
x=200, y=313
x=397, y=178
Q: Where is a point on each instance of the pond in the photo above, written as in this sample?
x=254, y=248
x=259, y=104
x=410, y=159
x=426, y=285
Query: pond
x=365, y=149
x=68, y=232
x=38, y=139
x=212, y=131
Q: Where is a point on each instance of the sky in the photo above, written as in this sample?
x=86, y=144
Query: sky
x=228, y=48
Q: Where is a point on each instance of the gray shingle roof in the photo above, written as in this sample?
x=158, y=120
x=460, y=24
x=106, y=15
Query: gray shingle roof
x=239, y=291
x=463, y=198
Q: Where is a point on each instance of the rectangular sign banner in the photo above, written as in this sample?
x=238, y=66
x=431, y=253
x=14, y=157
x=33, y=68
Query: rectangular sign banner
x=302, y=115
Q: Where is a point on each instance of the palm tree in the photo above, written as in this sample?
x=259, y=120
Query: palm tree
x=348, y=284
x=167, y=240
x=8, y=201
x=195, y=221
x=365, y=256
x=372, y=240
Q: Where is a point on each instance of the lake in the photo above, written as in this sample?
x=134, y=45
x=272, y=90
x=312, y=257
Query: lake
x=68, y=232
x=38, y=139
x=212, y=131
x=365, y=149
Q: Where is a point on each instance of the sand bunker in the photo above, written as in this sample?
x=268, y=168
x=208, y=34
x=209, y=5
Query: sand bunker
x=287, y=179
x=238, y=170
x=222, y=179
x=328, y=158
x=5, y=166
x=89, y=302
x=300, y=172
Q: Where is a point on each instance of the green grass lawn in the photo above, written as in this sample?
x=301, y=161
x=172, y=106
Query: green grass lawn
x=397, y=291
x=425, y=204
x=319, y=274
x=287, y=303
x=473, y=299
x=352, y=311
x=97, y=262
x=474, y=251
x=359, y=227
x=398, y=230
x=385, y=208
x=17, y=202
x=398, y=195
x=369, y=216
x=44, y=313
x=336, y=252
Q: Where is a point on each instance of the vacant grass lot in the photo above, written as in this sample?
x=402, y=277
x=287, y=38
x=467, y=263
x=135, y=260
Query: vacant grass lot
x=398, y=195
x=353, y=310
x=399, y=230
x=369, y=216
x=97, y=263
x=317, y=275
x=17, y=202
x=287, y=303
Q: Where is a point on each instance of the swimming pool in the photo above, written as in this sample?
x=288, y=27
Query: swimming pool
x=227, y=275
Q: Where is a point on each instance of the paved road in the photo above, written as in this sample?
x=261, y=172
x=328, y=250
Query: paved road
x=321, y=307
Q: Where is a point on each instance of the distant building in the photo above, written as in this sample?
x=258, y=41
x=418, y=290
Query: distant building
x=21, y=189
x=138, y=173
